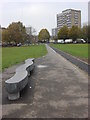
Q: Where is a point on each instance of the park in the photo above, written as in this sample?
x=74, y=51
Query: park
x=19, y=54
x=16, y=55
x=44, y=75
x=55, y=88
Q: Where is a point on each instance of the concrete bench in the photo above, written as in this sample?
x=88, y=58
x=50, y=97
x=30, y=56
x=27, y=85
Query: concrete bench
x=15, y=84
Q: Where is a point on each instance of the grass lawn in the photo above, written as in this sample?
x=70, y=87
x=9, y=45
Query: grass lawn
x=14, y=55
x=78, y=50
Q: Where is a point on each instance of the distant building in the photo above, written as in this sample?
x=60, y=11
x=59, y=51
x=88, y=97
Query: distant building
x=29, y=30
x=31, y=37
x=54, y=32
x=69, y=18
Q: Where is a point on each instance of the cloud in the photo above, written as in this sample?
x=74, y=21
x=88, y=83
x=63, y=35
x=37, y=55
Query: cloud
x=37, y=14
x=44, y=1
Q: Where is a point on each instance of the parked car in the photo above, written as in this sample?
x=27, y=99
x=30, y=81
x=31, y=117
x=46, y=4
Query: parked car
x=80, y=41
x=60, y=41
x=0, y=44
x=4, y=45
x=19, y=44
x=68, y=41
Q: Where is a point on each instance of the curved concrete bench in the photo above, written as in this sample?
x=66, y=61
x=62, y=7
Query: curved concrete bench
x=15, y=84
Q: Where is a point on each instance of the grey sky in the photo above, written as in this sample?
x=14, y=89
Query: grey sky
x=38, y=14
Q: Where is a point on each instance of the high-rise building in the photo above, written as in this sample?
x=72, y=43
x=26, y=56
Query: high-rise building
x=54, y=32
x=69, y=17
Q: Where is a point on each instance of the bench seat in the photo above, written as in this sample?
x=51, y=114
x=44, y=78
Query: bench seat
x=15, y=84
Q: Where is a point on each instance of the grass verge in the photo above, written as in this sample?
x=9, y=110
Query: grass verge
x=77, y=50
x=14, y=55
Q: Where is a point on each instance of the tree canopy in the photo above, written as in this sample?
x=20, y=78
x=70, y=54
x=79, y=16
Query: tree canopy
x=44, y=35
x=89, y=34
x=5, y=36
x=74, y=32
x=63, y=33
x=84, y=31
x=15, y=32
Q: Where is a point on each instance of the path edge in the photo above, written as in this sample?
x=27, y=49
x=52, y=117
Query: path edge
x=81, y=64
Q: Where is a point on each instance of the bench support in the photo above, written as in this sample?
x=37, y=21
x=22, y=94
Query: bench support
x=13, y=96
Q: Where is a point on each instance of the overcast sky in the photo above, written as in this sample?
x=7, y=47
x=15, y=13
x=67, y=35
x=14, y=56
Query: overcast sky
x=38, y=14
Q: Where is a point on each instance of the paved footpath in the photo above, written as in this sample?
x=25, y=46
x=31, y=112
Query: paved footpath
x=56, y=89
